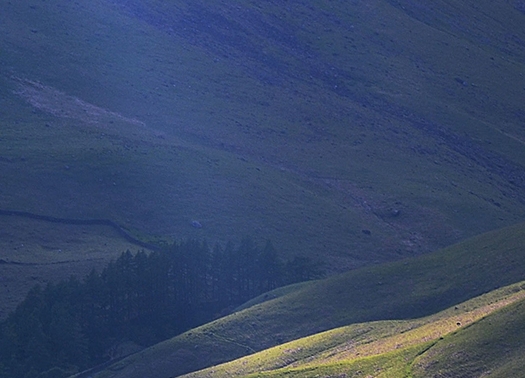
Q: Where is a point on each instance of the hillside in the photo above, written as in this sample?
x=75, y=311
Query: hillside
x=367, y=135
x=493, y=345
x=450, y=343
x=397, y=291
x=34, y=252
x=357, y=132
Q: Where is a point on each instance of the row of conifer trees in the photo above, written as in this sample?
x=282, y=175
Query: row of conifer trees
x=141, y=298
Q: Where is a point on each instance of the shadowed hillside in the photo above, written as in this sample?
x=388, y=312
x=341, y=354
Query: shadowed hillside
x=362, y=132
x=356, y=133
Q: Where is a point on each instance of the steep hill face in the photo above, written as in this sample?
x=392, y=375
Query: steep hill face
x=357, y=131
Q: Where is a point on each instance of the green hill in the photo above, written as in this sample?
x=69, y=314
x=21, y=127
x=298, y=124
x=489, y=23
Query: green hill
x=406, y=289
x=357, y=132
x=493, y=345
x=450, y=343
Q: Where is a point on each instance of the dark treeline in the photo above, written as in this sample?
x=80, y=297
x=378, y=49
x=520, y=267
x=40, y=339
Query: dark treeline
x=143, y=298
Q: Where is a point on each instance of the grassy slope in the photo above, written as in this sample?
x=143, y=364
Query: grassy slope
x=489, y=343
x=388, y=347
x=493, y=346
x=304, y=123
x=406, y=289
x=36, y=252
